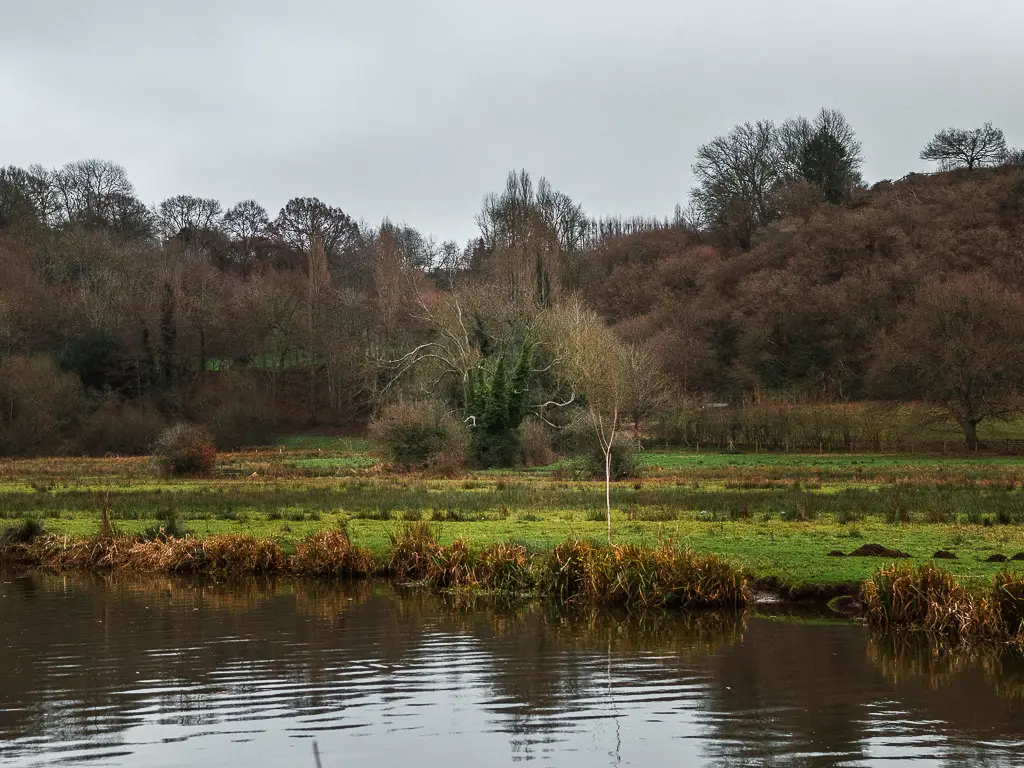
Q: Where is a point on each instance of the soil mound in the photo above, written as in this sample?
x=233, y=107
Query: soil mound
x=943, y=554
x=996, y=559
x=877, y=550
x=1018, y=556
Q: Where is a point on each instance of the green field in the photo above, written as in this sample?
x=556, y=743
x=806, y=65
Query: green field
x=775, y=515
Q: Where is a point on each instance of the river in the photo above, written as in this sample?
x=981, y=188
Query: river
x=134, y=672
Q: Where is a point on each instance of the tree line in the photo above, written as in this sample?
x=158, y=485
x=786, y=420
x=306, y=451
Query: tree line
x=785, y=274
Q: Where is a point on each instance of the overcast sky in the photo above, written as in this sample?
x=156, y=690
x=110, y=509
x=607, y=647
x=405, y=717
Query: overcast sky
x=417, y=109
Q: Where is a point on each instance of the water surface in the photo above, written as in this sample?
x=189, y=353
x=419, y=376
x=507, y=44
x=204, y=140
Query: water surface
x=160, y=672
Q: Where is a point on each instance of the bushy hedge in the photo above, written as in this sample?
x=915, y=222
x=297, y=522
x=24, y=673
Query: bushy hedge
x=184, y=449
x=420, y=435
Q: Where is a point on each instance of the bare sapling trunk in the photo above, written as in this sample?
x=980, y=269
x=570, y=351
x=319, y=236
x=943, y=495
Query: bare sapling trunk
x=607, y=441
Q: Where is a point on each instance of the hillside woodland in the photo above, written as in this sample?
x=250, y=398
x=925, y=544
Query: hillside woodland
x=801, y=287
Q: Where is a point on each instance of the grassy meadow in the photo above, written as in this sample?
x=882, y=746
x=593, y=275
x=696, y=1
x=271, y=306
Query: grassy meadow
x=776, y=516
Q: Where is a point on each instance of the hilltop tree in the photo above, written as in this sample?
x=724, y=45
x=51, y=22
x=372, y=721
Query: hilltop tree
x=305, y=219
x=96, y=194
x=246, y=223
x=736, y=175
x=958, y=148
x=186, y=216
x=824, y=152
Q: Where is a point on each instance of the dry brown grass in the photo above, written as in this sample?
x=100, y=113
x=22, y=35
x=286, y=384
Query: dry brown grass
x=331, y=554
x=505, y=567
x=236, y=554
x=930, y=599
x=413, y=548
x=1008, y=602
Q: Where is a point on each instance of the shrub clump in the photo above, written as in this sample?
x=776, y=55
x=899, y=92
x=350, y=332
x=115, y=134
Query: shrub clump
x=331, y=554
x=420, y=435
x=928, y=599
x=184, y=450
x=590, y=462
x=1008, y=602
x=505, y=568
x=413, y=549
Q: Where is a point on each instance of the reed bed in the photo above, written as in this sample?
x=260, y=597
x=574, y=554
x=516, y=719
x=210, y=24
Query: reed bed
x=574, y=572
x=641, y=577
x=669, y=577
x=505, y=567
x=331, y=554
x=413, y=549
x=930, y=599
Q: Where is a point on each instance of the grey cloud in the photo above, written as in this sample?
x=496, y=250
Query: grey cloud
x=417, y=109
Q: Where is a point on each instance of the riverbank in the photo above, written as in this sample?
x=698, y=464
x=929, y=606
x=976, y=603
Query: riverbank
x=573, y=572
x=813, y=526
x=792, y=556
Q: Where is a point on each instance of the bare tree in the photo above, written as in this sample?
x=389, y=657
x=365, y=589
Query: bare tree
x=185, y=216
x=595, y=365
x=89, y=191
x=246, y=223
x=15, y=201
x=958, y=148
x=736, y=175
x=305, y=218
x=1014, y=157
x=960, y=349
x=646, y=386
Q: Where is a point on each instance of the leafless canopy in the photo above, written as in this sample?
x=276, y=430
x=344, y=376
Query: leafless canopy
x=736, y=174
x=958, y=148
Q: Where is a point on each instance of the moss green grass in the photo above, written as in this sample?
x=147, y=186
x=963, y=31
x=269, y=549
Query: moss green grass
x=777, y=516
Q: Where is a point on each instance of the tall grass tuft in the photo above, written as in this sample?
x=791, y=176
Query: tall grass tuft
x=331, y=554
x=505, y=567
x=412, y=549
x=928, y=599
x=669, y=577
x=576, y=571
x=1008, y=602
x=452, y=567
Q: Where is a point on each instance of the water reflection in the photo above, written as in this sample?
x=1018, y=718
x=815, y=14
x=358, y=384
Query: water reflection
x=157, y=671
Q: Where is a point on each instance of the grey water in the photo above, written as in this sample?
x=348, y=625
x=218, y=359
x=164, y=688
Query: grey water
x=150, y=672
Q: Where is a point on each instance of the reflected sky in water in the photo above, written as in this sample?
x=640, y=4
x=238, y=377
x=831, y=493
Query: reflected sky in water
x=160, y=672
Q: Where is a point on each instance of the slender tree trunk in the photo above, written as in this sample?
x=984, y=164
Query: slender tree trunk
x=608, y=488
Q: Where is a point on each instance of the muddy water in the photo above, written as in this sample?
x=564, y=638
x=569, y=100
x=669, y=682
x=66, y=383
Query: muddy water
x=157, y=672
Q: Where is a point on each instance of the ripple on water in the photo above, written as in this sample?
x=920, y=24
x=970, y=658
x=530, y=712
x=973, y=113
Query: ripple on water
x=392, y=680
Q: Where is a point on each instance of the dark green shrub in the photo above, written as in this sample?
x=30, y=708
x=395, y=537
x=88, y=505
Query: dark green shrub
x=420, y=435
x=625, y=459
x=495, y=402
x=183, y=450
